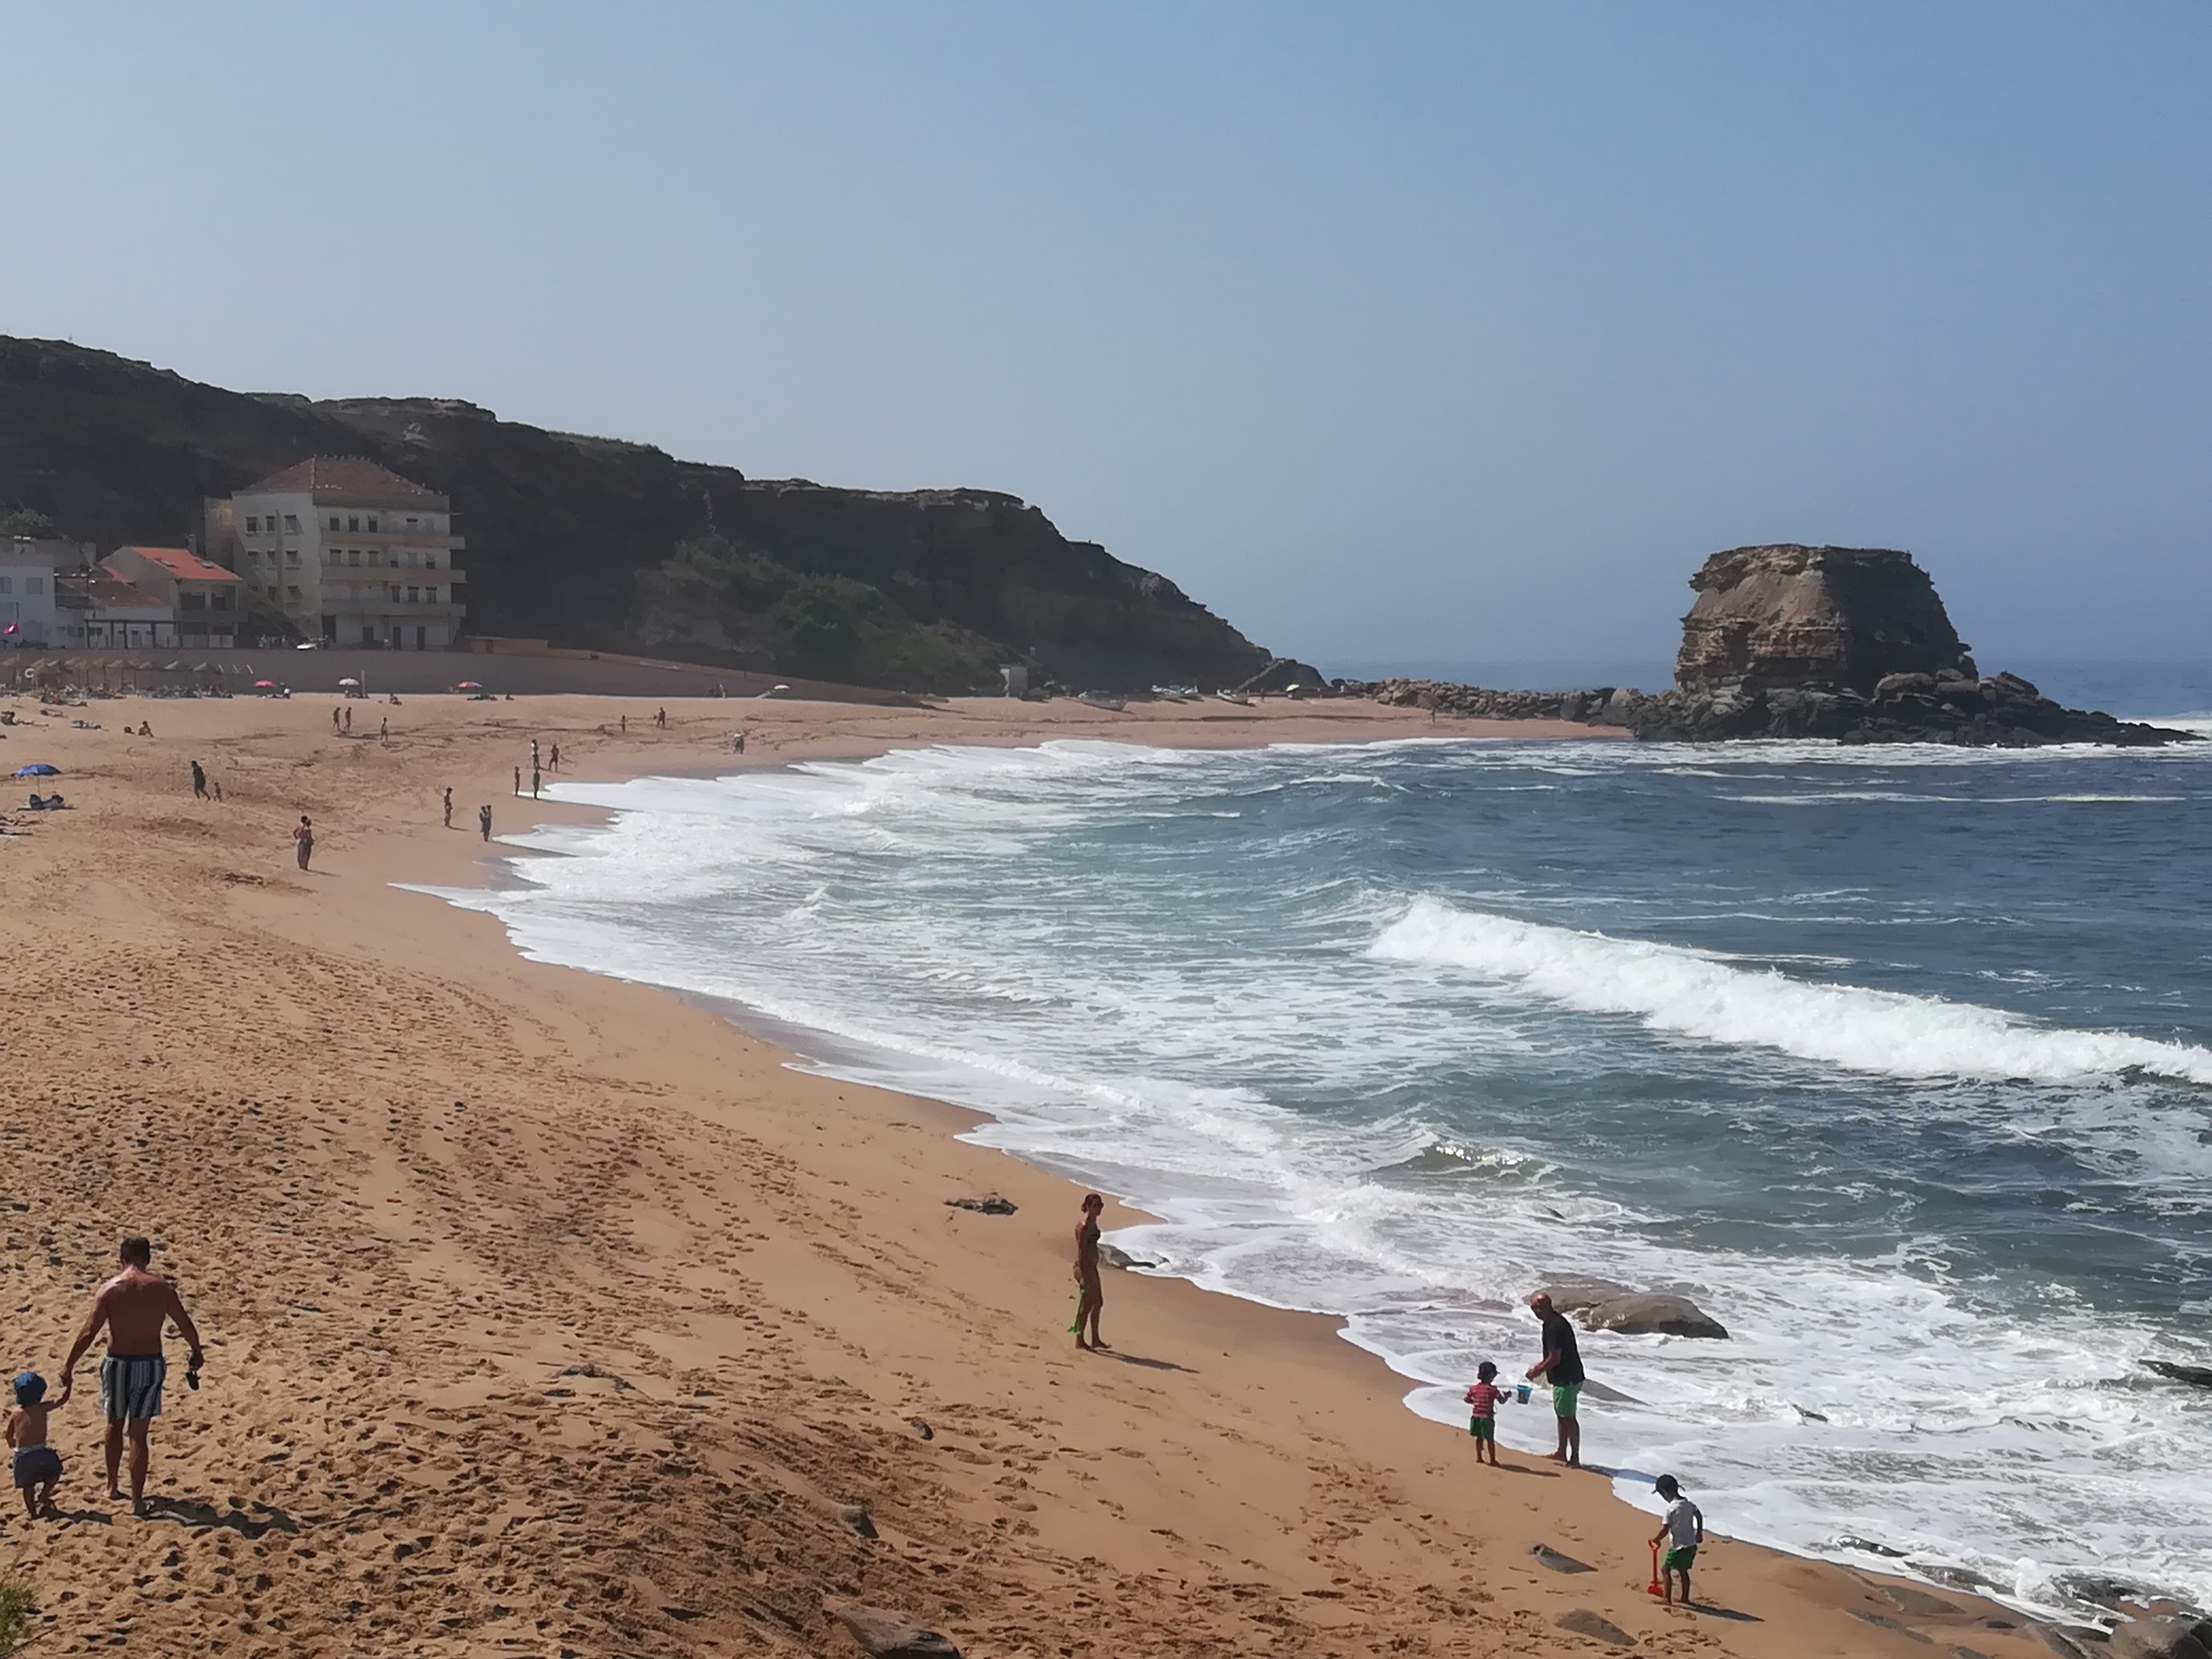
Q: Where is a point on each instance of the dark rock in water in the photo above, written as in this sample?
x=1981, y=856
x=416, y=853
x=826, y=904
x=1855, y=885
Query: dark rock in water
x=1582, y=1622
x=1841, y=619
x=1668, y=1316
x=1115, y=1256
x=991, y=1205
x=883, y=1633
x=1548, y=1557
x=1571, y=1292
x=2200, y=1375
x=2177, y=1635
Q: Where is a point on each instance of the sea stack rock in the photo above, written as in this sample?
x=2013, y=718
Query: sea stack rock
x=1840, y=619
x=1850, y=643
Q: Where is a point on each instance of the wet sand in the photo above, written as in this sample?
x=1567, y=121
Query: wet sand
x=552, y=1315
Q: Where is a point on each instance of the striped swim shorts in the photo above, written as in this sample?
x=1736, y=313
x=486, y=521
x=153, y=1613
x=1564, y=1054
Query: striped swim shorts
x=130, y=1386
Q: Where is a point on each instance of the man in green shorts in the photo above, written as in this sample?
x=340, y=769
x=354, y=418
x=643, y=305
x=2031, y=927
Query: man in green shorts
x=1562, y=1367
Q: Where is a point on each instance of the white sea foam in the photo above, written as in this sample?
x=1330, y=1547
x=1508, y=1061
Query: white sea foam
x=1688, y=993
x=899, y=915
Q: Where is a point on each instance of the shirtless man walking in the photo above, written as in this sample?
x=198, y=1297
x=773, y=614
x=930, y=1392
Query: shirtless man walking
x=135, y=1305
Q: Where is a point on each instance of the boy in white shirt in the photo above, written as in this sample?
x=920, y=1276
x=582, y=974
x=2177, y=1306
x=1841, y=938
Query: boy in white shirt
x=1684, y=1529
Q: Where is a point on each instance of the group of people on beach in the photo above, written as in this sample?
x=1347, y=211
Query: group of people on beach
x=135, y=1308
x=1683, y=1527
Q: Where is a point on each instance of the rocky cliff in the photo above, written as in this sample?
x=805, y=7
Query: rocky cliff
x=611, y=545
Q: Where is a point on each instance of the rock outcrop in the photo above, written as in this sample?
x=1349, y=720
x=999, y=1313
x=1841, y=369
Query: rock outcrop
x=605, y=544
x=1657, y=1313
x=1848, y=643
x=1838, y=618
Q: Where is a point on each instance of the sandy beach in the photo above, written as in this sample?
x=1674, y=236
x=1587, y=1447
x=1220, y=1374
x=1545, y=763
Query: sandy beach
x=550, y=1314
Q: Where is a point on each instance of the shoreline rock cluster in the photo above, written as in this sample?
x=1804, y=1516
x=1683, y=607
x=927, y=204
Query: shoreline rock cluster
x=1785, y=641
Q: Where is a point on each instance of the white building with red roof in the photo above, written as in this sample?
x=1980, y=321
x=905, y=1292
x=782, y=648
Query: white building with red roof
x=204, y=599
x=101, y=611
x=350, y=552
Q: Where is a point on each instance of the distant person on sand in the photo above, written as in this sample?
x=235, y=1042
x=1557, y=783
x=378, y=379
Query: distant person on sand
x=1562, y=1367
x=199, y=781
x=334, y=717
x=737, y=743
x=383, y=730
x=303, y=839
x=625, y=725
x=537, y=782
x=484, y=821
x=1683, y=1530
x=38, y=1466
x=1482, y=1411
x=135, y=1306
x=349, y=724
x=660, y=719
x=556, y=758
x=1091, y=1293
x=449, y=809
x=518, y=783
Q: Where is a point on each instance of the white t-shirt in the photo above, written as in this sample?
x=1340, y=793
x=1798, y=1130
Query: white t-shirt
x=1684, y=1521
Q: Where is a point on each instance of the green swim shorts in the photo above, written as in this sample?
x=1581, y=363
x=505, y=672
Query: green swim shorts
x=1482, y=1428
x=1678, y=1558
x=1563, y=1396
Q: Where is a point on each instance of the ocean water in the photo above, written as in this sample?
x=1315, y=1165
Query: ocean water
x=1897, y=1060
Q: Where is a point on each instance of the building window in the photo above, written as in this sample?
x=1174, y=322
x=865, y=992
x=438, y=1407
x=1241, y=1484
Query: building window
x=291, y=523
x=34, y=584
x=192, y=601
x=353, y=522
x=334, y=521
x=292, y=557
x=7, y=584
x=410, y=524
x=372, y=524
x=293, y=594
x=353, y=555
x=414, y=595
x=430, y=562
x=221, y=601
x=253, y=527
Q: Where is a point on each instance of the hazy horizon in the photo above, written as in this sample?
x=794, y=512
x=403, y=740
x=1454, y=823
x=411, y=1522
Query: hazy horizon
x=1433, y=334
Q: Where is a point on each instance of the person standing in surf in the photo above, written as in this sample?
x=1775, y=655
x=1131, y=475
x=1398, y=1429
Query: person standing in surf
x=1562, y=1367
x=1091, y=1293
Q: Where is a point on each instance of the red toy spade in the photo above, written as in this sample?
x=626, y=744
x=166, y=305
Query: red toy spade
x=1655, y=1588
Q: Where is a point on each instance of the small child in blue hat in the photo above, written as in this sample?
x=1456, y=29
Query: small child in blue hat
x=38, y=1466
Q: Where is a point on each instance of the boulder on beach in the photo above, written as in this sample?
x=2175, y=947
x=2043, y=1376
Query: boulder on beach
x=1571, y=1292
x=1651, y=1314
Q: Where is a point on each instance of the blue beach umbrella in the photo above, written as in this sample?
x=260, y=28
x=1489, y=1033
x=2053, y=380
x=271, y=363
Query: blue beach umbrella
x=38, y=770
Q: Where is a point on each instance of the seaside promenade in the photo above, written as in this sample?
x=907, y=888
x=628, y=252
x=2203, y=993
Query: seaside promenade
x=550, y=1314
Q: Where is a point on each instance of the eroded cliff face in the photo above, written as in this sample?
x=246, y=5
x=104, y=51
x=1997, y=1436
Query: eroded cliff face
x=1841, y=619
x=611, y=545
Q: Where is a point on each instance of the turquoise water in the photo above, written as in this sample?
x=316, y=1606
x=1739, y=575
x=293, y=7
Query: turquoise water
x=1899, y=1061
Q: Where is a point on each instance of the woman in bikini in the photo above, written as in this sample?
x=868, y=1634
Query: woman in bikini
x=1093, y=1295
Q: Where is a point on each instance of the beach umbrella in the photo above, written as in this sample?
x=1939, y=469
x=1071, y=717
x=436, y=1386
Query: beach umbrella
x=349, y=680
x=38, y=770
x=264, y=686
x=468, y=685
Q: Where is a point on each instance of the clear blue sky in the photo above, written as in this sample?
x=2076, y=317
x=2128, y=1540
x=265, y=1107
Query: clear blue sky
x=1394, y=332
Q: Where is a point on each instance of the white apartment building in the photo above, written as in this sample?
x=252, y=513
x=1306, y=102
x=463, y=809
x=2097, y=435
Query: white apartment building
x=350, y=552
x=28, y=566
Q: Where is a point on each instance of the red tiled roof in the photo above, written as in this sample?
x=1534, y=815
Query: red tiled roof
x=104, y=587
x=348, y=480
x=178, y=562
